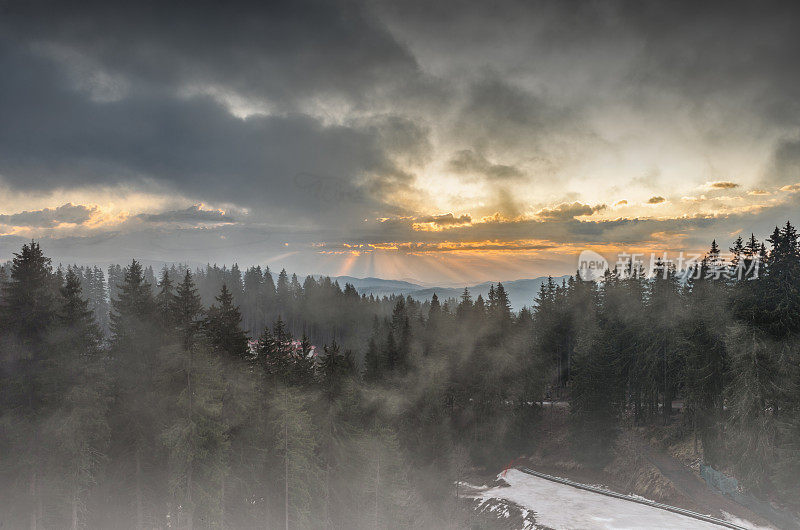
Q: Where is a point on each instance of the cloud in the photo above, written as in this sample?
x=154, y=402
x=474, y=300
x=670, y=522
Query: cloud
x=656, y=200
x=58, y=138
x=447, y=219
x=791, y=187
x=568, y=211
x=785, y=163
x=468, y=162
x=692, y=198
x=314, y=115
x=69, y=213
x=412, y=247
x=721, y=185
x=759, y=192
x=282, y=52
x=191, y=215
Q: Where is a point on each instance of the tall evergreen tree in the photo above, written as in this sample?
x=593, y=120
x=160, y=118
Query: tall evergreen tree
x=28, y=315
x=78, y=431
x=705, y=357
x=165, y=300
x=28, y=298
x=187, y=311
x=135, y=348
x=223, y=329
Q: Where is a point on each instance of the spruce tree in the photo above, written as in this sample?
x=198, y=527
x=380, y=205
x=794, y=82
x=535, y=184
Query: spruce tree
x=282, y=293
x=28, y=298
x=372, y=362
x=165, y=300
x=78, y=439
x=705, y=357
x=273, y=351
x=28, y=316
x=780, y=289
x=187, y=311
x=135, y=348
x=502, y=307
x=299, y=474
x=597, y=393
x=133, y=309
x=222, y=327
x=465, y=305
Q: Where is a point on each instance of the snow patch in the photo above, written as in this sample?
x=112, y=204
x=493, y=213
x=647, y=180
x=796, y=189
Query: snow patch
x=741, y=522
x=560, y=506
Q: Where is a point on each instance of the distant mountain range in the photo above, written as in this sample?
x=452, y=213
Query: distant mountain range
x=520, y=292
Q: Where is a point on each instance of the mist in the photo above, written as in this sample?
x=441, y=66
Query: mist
x=145, y=400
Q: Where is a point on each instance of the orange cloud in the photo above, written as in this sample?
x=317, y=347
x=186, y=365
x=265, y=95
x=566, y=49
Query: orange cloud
x=721, y=185
x=568, y=210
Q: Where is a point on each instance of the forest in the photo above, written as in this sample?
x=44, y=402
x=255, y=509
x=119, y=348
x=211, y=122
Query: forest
x=216, y=398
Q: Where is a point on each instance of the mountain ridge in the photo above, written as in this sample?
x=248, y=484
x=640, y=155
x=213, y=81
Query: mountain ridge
x=521, y=292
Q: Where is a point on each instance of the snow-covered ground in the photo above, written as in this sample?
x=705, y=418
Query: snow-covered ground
x=561, y=506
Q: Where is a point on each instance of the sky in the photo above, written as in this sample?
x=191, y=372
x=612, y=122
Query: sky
x=447, y=142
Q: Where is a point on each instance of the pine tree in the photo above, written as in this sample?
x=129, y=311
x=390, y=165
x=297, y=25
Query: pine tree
x=79, y=438
x=296, y=448
x=28, y=315
x=28, y=299
x=399, y=340
x=135, y=349
x=165, y=300
x=502, y=307
x=392, y=355
x=273, y=351
x=222, y=327
x=75, y=316
x=334, y=367
x=598, y=377
x=780, y=289
x=751, y=428
x=705, y=358
x=480, y=308
x=133, y=308
x=187, y=310
x=435, y=309
x=664, y=343
x=737, y=251
x=282, y=293
x=269, y=283
x=236, y=285
x=372, y=362
x=464, y=308
x=432, y=328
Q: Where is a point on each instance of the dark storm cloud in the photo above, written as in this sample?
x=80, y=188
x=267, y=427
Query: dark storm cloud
x=50, y=217
x=732, y=64
x=355, y=96
x=53, y=136
x=191, y=215
x=281, y=50
x=468, y=162
x=786, y=162
x=498, y=114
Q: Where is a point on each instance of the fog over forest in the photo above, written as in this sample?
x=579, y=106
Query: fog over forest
x=147, y=405
x=380, y=264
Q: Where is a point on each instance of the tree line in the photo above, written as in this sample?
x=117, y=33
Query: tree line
x=213, y=399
